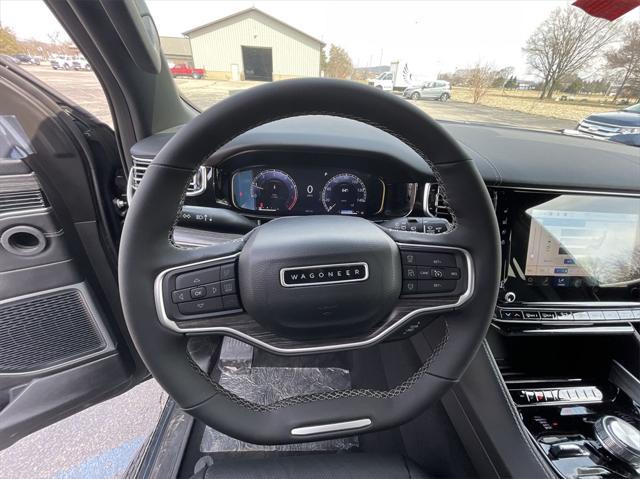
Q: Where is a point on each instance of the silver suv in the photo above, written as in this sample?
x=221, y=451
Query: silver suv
x=430, y=90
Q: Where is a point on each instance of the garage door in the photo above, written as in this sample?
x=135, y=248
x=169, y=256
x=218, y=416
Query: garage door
x=258, y=63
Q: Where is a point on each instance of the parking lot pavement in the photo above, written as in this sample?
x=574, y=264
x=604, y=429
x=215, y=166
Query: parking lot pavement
x=83, y=88
x=97, y=443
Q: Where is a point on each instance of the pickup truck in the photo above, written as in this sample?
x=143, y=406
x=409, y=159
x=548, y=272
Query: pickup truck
x=183, y=70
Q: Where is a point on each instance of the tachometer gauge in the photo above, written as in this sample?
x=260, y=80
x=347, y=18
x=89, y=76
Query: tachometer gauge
x=344, y=194
x=274, y=190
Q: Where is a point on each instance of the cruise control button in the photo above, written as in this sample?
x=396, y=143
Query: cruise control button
x=611, y=315
x=227, y=271
x=437, y=273
x=436, y=286
x=636, y=314
x=581, y=315
x=409, y=287
x=436, y=260
x=531, y=315
x=408, y=258
x=198, y=278
x=228, y=286
x=197, y=293
x=209, y=305
x=231, y=301
x=180, y=296
x=424, y=272
x=410, y=272
x=596, y=315
x=452, y=273
x=547, y=315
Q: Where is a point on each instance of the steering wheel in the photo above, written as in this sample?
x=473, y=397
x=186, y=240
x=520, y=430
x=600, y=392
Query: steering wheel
x=300, y=285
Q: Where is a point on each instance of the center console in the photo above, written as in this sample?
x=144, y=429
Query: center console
x=571, y=263
x=564, y=333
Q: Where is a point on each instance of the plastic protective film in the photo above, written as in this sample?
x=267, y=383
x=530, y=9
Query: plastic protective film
x=265, y=385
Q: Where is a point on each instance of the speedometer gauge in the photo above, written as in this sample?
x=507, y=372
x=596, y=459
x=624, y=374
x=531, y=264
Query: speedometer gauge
x=274, y=190
x=344, y=194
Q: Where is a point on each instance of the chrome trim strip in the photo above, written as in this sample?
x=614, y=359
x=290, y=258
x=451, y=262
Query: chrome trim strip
x=320, y=283
x=587, y=330
x=202, y=173
x=575, y=304
x=564, y=191
x=102, y=330
x=331, y=427
x=169, y=324
x=565, y=322
x=425, y=200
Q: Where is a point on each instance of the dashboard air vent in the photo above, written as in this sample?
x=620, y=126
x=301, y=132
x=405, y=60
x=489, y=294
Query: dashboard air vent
x=434, y=203
x=11, y=201
x=196, y=187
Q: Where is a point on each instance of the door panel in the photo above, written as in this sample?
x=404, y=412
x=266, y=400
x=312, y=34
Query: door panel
x=63, y=344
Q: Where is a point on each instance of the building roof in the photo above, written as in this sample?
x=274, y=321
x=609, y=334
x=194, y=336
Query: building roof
x=250, y=10
x=176, y=46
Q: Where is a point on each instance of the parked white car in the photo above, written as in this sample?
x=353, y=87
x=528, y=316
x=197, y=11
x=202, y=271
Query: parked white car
x=62, y=62
x=81, y=63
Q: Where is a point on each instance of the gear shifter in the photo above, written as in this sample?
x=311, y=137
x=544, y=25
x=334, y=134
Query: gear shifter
x=620, y=439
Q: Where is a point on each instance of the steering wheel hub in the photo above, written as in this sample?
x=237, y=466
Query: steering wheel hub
x=322, y=276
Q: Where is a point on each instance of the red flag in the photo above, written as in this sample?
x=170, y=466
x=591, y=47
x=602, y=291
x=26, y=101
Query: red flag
x=608, y=9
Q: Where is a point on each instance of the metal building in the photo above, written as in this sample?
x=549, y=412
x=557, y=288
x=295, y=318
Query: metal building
x=177, y=50
x=251, y=45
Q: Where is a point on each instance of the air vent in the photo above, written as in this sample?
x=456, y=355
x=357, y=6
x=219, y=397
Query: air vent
x=15, y=201
x=434, y=203
x=196, y=187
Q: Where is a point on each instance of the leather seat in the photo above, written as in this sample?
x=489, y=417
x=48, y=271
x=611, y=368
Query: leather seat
x=318, y=466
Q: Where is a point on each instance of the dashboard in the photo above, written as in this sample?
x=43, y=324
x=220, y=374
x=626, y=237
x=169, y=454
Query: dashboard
x=568, y=208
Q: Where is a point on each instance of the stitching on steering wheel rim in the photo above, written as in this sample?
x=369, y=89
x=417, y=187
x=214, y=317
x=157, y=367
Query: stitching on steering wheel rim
x=329, y=395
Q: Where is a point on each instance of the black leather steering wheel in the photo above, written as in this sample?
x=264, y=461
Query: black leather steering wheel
x=324, y=315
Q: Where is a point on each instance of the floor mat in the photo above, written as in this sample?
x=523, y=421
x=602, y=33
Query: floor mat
x=265, y=385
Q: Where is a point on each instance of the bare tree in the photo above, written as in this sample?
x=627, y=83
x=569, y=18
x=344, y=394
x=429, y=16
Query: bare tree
x=626, y=59
x=480, y=78
x=565, y=43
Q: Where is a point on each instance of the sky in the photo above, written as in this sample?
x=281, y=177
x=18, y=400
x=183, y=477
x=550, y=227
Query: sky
x=431, y=36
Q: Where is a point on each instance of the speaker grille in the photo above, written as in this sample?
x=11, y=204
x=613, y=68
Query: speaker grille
x=47, y=330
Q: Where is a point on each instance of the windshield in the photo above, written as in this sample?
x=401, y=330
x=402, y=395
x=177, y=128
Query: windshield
x=506, y=75
x=634, y=108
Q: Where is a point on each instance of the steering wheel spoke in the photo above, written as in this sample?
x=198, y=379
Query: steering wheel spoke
x=202, y=284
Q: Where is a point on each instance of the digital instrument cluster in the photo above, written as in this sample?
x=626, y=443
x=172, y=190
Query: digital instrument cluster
x=307, y=191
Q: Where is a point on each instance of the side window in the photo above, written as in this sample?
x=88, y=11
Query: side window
x=388, y=76
x=51, y=56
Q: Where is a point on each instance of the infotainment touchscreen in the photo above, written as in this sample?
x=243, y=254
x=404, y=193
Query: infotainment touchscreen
x=572, y=247
x=571, y=238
